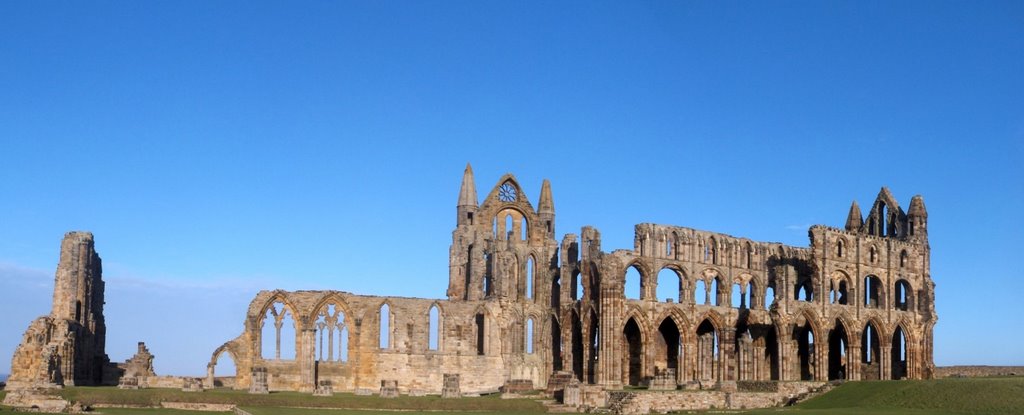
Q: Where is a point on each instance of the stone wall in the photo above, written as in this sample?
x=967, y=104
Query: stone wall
x=644, y=402
x=523, y=306
x=978, y=371
x=67, y=347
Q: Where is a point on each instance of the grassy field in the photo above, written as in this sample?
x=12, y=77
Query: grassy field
x=995, y=396
x=262, y=403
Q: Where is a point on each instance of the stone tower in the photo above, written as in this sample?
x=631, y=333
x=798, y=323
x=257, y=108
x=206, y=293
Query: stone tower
x=502, y=248
x=67, y=347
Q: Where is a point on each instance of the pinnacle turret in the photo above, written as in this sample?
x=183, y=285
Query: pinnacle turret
x=547, y=203
x=467, y=192
x=854, y=221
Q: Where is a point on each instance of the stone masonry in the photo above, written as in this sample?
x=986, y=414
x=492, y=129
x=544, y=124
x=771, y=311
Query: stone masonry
x=858, y=303
x=67, y=346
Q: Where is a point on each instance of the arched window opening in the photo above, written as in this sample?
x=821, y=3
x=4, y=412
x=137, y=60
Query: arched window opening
x=838, y=347
x=700, y=293
x=882, y=218
x=873, y=255
x=529, y=336
x=557, y=351
x=529, y=277
x=871, y=367
x=898, y=353
x=633, y=346
x=903, y=258
x=769, y=297
x=434, y=329
x=872, y=291
x=278, y=333
x=750, y=256
x=805, y=351
x=736, y=296
x=385, y=326
x=494, y=226
x=669, y=352
x=747, y=299
x=225, y=366
x=488, y=276
x=524, y=229
x=668, y=247
x=508, y=227
x=805, y=291
x=670, y=285
x=902, y=295
x=715, y=292
x=633, y=283
x=480, y=330
x=839, y=248
x=708, y=366
x=331, y=336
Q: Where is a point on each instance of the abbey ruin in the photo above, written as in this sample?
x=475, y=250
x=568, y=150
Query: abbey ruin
x=526, y=311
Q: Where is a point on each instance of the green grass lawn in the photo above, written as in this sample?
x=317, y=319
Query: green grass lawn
x=995, y=396
x=153, y=397
x=938, y=397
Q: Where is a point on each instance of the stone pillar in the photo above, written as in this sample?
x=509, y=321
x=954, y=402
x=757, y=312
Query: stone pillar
x=304, y=356
x=209, y=375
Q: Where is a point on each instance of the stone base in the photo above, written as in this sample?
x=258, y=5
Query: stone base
x=517, y=386
x=451, y=388
x=42, y=399
x=664, y=380
x=324, y=388
x=389, y=389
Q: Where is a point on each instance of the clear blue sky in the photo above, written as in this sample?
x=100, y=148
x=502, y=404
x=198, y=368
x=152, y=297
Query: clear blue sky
x=220, y=148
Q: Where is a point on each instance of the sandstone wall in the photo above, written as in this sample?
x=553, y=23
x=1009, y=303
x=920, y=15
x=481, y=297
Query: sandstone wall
x=978, y=371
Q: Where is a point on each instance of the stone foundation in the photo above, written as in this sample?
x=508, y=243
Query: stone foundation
x=389, y=389
x=451, y=386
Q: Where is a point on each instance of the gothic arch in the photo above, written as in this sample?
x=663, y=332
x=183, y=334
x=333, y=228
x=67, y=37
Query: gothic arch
x=331, y=297
x=634, y=312
x=712, y=316
x=678, y=317
x=280, y=296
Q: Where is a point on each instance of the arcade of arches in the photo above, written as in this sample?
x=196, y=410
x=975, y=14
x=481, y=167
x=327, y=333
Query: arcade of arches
x=705, y=307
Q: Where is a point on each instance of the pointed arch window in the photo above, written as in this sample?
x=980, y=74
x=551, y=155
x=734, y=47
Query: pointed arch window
x=434, y=328
x=331, y=335
x=385, y=326
x=529, y=278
